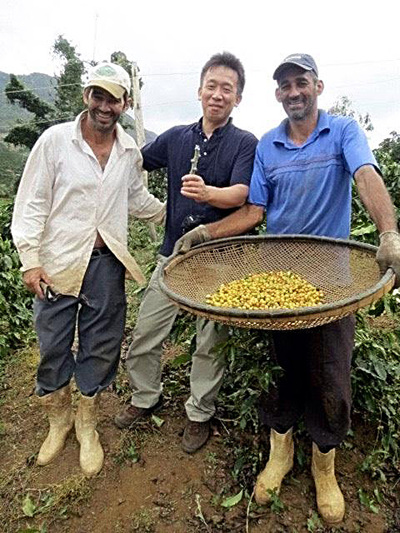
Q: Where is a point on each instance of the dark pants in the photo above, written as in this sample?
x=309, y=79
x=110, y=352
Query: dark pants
x=315, y=382
x=99, y=313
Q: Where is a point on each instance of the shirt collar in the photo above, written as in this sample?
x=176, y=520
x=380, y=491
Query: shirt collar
x=123, y=139
x=281, y=136
x=198, y=127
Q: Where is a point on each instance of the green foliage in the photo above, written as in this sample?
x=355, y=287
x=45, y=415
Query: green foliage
x=120, y=59
x=26, y=134
x=251, y=370
x=391, y=147
x=68, y=101
x=15, y=300
x=388, y=157
x=6, y=209
x=158, y=183
x=369, y=501
x=16, y=92
x=276, y=505
x=376, y=385
x=42, y=84
x=344, y=106
x=314, y=523
x=12, y=162
x=231, y=501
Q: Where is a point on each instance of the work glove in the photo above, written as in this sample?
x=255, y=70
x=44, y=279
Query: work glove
x=191, y=238
x=388, y=254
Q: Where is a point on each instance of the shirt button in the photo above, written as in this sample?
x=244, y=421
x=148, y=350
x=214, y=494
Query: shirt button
x=204, y=153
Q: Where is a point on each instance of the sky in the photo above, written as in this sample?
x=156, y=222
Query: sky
x=355, y=44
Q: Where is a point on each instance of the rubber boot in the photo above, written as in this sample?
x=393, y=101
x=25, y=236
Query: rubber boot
x=279, y=464
x=330, y=499
x=57, y=406
x=91, y=455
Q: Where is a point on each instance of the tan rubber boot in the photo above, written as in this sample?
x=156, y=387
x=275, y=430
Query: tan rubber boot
x=91, y=455
x=57, y=406
x=279, y=464
x=330, y=499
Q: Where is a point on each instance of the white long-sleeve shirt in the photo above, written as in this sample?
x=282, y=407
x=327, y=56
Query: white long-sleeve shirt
x=65, y=198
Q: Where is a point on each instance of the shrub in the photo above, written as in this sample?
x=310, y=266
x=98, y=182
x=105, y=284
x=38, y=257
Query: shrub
x=15, y=301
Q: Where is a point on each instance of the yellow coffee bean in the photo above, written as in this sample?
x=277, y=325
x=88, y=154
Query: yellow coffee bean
x=267, y=290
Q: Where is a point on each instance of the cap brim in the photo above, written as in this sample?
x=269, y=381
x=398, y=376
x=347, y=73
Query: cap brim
x=115, y=90
x=283, y=66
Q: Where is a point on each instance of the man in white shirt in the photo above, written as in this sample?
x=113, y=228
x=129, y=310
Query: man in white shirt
x=69, y=225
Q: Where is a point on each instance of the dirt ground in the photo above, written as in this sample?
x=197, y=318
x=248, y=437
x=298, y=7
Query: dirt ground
x=149, y=485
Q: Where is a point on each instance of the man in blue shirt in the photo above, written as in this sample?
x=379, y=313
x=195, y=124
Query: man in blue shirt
x=302, y=179
x=219, y=187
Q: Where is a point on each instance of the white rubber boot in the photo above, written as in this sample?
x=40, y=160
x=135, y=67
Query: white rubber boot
x=279, y=464
x=91, y=455
x=57, y=406
x=330, y=499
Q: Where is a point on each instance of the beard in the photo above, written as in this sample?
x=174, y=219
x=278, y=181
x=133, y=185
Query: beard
x=302, y=112
x=100, y=125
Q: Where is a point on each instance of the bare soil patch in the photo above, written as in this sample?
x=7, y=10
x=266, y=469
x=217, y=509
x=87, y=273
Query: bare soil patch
x=149, y=485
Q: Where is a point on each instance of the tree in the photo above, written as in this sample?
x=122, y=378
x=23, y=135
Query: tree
x=343, y=106
x=68, y=101
x=26, y=133
x=391, y=146
x=388, y=157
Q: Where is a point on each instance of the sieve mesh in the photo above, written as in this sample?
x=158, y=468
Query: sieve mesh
x=346, y=271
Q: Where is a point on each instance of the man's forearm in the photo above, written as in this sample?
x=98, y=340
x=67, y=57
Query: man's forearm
x=239, y=222
x=227, y=197
x=376, y=199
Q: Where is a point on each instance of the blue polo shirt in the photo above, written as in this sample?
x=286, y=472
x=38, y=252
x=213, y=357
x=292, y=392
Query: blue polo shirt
x=307, y=189
x=226, y=159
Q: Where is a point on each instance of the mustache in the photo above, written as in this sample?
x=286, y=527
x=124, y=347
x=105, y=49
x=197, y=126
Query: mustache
x=295, y=99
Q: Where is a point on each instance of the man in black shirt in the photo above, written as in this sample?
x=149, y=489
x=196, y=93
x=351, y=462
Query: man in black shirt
x=218, y=188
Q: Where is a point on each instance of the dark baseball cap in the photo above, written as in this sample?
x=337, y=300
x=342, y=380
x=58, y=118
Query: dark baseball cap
x=304, y=61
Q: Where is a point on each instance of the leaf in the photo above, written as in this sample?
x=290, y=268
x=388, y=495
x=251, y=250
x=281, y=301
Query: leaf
x=364, y=230
x=8, y=261
x=380, y=370
x=232, y=500
x=28, y=507
x=158, y=421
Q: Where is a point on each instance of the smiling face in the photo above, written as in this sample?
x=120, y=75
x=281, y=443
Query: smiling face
x=219, y=95
x=298, y=92
x=103, y=109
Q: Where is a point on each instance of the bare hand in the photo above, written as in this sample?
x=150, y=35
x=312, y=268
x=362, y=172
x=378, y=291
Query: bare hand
x=193, y=187
x=32, y=279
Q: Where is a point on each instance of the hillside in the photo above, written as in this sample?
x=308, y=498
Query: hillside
x=43, y=86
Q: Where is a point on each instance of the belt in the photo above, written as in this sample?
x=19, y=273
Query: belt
x=104, y=250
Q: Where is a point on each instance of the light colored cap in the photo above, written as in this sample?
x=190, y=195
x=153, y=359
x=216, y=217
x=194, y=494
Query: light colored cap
x=110, y=77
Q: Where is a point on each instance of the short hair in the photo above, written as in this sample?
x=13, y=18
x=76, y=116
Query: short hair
x=226, y=59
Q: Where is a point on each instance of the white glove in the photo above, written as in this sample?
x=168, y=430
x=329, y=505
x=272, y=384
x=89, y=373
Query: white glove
x=191, y=238
x=388, y=254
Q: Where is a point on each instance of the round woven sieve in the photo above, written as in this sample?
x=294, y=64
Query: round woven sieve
x=345, y=270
